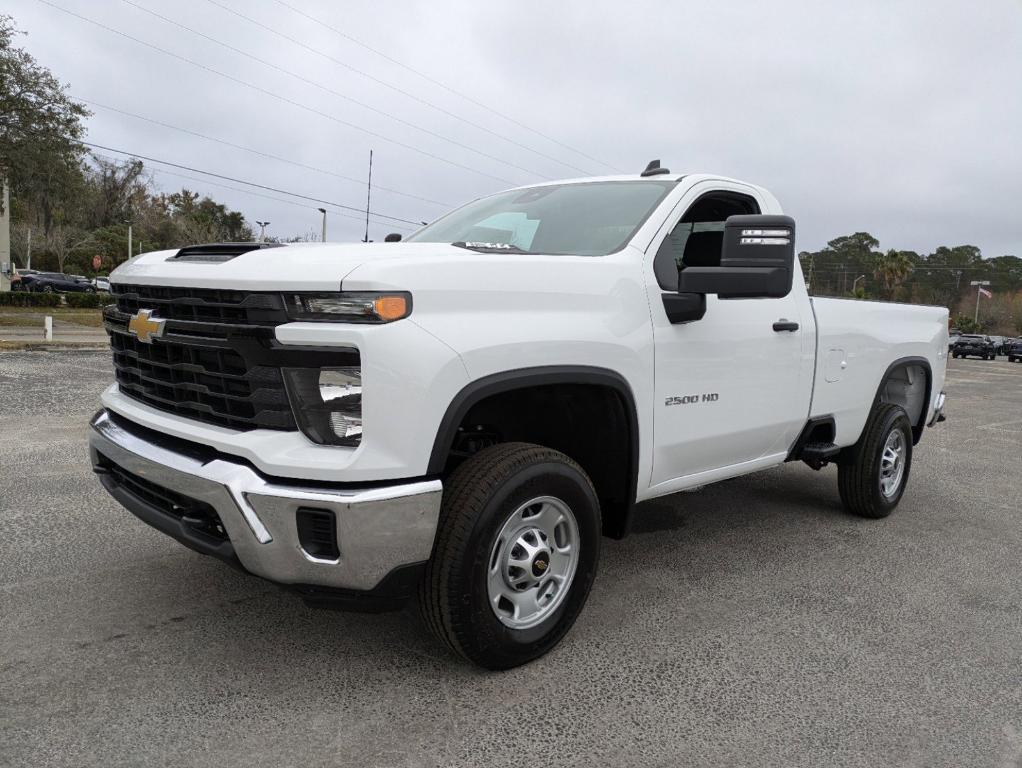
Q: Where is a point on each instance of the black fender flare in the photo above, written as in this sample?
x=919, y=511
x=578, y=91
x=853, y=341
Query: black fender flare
x=523, y=378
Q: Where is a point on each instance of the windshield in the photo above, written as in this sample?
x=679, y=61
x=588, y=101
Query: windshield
x=585, y=219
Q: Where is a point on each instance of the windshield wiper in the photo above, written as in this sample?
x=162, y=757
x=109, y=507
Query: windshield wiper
x=489, y=247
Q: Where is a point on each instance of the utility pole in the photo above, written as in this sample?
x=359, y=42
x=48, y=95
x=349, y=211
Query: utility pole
x=979, y=289
x=369, y=194
x=129, y=238
x=6, y=270
x=262, y=229
x=322, y=237
x=28, y=249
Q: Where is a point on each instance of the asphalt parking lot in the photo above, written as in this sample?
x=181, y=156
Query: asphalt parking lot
x=747, y=623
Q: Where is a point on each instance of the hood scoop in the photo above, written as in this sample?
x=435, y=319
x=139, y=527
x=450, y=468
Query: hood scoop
x=217, y=253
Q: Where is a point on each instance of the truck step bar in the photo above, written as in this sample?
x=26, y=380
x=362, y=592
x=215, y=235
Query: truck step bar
x=817, y=455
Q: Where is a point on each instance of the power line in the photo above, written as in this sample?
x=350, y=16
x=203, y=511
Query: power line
x=254, y=194
x=295, y=163
x=271, y=94
x=331, y=91
x=246, y=183
x=402, y=91
x=165, y=172
x=440, y=84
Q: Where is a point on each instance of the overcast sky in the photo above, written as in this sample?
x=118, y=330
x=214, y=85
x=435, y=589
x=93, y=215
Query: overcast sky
x=903, y=119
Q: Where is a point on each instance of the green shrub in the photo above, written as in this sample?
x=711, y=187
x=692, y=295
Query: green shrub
x=23, y=299
x=87, y=300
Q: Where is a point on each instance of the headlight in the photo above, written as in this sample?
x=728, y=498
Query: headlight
x=350, y=307
x=327, y=403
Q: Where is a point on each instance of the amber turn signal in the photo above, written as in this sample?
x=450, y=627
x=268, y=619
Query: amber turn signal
x=391, y=307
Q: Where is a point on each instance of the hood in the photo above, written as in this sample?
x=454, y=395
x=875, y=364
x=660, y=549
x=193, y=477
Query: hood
x=300, y=266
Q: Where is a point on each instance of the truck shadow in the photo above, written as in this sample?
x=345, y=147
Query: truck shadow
x=793, y=492
x=744, y=521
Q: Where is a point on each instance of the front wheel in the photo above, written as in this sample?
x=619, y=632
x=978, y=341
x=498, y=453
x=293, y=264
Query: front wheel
x=872, y=474
x=515, y=554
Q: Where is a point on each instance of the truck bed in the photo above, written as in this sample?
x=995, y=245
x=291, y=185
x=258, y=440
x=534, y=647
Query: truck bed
x=858, y=342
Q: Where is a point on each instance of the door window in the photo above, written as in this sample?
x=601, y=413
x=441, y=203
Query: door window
x=698, y=237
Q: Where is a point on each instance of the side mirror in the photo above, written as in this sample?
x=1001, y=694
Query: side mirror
x=757, y=260
x=393, y=237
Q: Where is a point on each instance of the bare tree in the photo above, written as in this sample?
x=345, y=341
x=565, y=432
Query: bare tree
x=63, y=240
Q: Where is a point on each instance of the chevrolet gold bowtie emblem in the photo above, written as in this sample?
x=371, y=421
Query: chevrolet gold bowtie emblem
x=145, y=327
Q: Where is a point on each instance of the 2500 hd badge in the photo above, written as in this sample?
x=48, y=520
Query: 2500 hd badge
x=708, y=397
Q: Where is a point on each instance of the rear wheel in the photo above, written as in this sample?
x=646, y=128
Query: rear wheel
x=47, y=289
x=872, y=474
x=515, y=554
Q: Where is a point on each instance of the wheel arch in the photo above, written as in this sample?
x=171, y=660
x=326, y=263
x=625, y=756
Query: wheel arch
x=615, y=484
x=907, y=396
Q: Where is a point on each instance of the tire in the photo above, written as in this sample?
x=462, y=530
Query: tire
x=954, y=355
x=860, y=469
x=487, y=504
x=47, y=289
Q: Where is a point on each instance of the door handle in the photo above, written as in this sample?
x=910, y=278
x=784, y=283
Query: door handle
x=785, y=325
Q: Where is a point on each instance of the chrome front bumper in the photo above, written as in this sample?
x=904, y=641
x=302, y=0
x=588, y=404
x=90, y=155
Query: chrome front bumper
x=379, y=529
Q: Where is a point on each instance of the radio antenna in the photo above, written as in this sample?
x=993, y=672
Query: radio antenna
x=369, y=194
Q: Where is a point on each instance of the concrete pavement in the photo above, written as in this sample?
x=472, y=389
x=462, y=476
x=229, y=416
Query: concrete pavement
x=748, y=623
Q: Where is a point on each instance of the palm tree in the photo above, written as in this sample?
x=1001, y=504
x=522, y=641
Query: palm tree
x=890, y=270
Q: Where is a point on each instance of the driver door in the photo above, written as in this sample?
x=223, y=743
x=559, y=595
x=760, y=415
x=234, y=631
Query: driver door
x=730, y=390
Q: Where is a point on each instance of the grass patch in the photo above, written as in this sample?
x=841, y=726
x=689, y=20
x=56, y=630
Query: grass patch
x=27, y=317
x=23, y=346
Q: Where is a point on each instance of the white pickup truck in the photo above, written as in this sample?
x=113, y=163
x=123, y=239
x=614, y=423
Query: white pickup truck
x=460, y=417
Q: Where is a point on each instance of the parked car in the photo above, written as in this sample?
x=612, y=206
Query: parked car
x=1013, y=349
x=576, y=347
x=974, y=345
x=101, y=284
x=55, y=282
x=952, y=340
x=998, y=342
x=18, y=278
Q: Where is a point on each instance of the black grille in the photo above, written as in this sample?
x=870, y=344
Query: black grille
x=210, y=362
x=196, y=514
x=211, y=384
x=205, y=305
x=216, y=358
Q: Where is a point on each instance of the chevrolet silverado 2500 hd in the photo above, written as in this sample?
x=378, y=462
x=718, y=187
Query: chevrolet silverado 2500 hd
x=461, y=416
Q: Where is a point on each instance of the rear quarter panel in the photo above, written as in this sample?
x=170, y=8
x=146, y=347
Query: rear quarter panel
x=857, y=343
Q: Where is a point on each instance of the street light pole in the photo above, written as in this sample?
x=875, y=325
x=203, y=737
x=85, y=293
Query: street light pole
x=262, y=229
x=322, y=237
x=129, y=239
x=855, y=282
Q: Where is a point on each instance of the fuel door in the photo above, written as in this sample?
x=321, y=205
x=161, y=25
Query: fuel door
x=835, y=364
